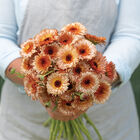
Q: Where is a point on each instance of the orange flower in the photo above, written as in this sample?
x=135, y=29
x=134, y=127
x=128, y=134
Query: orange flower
x=68, y=95
x=41, y=63
x=98, y=63
x=110, y=71
x=65, y=38
x=67, y=57
x=46, y=36
x=95, y=40
x=50, y=50
x=88, y=83
x=43, y=96
x=85, y=49
x=82, y=105
x=75, y=28
x=27, y=48
x=76, y=71
x=66, y=108
x=103, y=93
x=57, y=83
x=26, y=66
x=30, y=86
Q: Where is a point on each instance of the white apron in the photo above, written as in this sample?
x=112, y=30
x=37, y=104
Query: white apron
x=21, y=118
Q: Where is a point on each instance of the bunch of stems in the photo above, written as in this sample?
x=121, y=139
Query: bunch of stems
x=71, y=130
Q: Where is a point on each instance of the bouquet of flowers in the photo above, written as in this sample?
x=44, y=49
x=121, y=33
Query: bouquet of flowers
x=65, y=72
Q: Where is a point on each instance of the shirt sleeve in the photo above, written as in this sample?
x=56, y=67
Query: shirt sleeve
x=124, y=49
x=8, y=29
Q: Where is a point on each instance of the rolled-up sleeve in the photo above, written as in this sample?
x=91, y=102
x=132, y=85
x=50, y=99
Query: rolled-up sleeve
x=8, y=28
x=124, y=49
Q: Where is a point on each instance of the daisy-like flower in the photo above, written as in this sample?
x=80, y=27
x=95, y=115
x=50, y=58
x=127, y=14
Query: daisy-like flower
x=43, y=96
x=102, y=93
x=98, y=63
x=67, y=57
x=30, y=86
x=67, y=38
x=28, y=48
x=26, y=66
x=41, y=63
x=85, y=49
x=110, y=71
x=57, y=83
x=50, y=50
x=82, y=105
x=67, y=96
x=95, y=40
x=75, y=28
x=66, y=108
x=76, y=71
x=88, y=83
x=46, y=36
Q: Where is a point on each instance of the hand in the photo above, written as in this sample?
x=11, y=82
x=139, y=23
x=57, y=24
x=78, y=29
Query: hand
x=15, y=64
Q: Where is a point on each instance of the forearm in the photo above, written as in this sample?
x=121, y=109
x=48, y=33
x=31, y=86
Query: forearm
x=16, y=64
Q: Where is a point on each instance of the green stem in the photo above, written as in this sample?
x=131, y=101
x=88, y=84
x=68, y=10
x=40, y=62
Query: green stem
x=85, y=131
x=92, y=124
x=55, y=129
x=61, y=130
x=77, y=129
x=51, y=129
x=68, y=130
x=64, y=132
x=47, y=122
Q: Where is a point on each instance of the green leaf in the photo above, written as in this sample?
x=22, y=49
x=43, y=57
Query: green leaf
x=19, y=75
x=41, y=77
x=47, y=104
x=49, y=72
x=13, y=70
x=82, y=96
x=55, y=107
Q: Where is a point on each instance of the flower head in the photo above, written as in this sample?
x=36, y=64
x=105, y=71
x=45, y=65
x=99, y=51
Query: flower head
x=98, y=63
x=88, y=83
x=26, y=66
x=28, y=48
x=75, y=28
x=66, y=108
x=85, y=49
x=50, y=50
x=102, y=93
x=30, y=86
x=46, y=36
x=76, y=71
x=110, y=71
x=57, y=83
x=84, y=104
x=67, y=57
x=95, y=40
x=41, y=63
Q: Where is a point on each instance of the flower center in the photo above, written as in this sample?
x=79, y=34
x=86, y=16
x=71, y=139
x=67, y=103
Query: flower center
x=95, y=64
x=43, y=61
x=68, y=57
x=78, y=70
x=57, y=83
x=50, y=51
x=87, y=81
x=82, y=51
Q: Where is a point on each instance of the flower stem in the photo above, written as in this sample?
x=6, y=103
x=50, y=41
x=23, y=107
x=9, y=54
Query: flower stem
x=61, y=130
x=47, y=122
x=84, y=130
x=92, y=124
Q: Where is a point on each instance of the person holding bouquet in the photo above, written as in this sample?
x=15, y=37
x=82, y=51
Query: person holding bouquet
x=117, y=20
